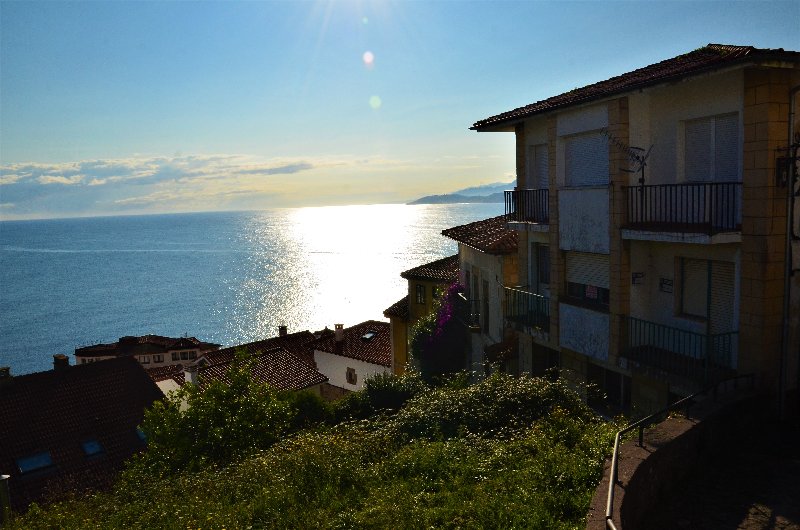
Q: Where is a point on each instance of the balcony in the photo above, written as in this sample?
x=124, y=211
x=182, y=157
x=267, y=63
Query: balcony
x=675, y=354
x=527, y=311
x=527, y=206
x=704, y=209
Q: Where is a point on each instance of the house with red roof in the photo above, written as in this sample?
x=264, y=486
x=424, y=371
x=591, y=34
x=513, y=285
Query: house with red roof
x=425, y=283
x=69, y=430
x=350, y=356
x=150, y=350
x=285, y=362
x=488, y=261
x=658, y=226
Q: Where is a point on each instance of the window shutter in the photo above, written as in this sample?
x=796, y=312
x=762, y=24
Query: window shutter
x=542, y=167
x=695, y=287
x=698, y=150
x=530, y=167
x=588, y=269
x=726, y=148
x=722, y=300
x=586, y=160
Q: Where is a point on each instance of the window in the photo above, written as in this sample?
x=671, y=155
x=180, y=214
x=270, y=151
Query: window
x=34, y=462
x=540, y=266
x=158, y=358
x=351, y=376
x=694, y=287
x=144, y=359
x=176, y=356
x=587, y=278
x=369, y=335
x=184, y=355
x=420, y=294
x=711, y=149
x=537, y=167
x=92, y=447
x=586, y=159
x=193, y=355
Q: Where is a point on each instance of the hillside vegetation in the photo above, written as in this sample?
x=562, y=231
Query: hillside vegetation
x=507, y=452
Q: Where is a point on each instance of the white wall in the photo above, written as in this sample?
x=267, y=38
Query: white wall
x=583, y=219
x=657, y=260
x=488, y=267
x=335, y=368
x=584, y=331
x=656, y=117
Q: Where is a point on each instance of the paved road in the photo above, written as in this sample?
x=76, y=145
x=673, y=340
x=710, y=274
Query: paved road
x=753, y=485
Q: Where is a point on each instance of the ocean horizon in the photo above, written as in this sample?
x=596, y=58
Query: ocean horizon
x=224, y=277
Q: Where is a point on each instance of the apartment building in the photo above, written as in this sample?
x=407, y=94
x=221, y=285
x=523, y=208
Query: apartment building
x=657, y=228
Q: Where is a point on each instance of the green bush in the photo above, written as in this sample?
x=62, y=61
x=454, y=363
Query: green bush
x=506, y=453
x=381, y=393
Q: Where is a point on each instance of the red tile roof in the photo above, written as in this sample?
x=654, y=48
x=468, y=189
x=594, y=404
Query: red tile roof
x=297, y=343
x=707, y=58
x=59, y=410
x=279, y=368
x=443, y=270
x=490, y=235
x=285, y=363
x=398, y=309
x=146, y=344
x=377, y=350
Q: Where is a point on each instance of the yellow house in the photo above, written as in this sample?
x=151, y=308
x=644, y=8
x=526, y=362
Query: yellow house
x=425, y=283
x=658, y=238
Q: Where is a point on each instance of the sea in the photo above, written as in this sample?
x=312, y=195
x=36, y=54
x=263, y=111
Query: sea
x=223, y=277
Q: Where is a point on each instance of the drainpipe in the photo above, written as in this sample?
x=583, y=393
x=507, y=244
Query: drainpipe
x=788, y=266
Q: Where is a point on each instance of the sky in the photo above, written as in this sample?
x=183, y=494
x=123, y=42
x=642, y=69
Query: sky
x=118, y=107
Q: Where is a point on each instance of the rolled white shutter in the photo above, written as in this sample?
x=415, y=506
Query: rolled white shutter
x=542, y=167
x=726, y=148
x=698, y=150
x=722, y=298
x=588, y=269
x=695, y=287
x=586, y=158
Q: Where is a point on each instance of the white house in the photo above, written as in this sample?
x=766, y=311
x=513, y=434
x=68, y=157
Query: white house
x=352, y=355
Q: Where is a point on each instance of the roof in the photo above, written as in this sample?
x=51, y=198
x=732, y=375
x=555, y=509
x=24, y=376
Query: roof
x=284, y=362
x=297, y=343
x=705, y=59
x=375, y=350
x=57, y=412
x=489, y=235
x=279, y=368
x=146, y=344
x=398, y=309
x=443, y=270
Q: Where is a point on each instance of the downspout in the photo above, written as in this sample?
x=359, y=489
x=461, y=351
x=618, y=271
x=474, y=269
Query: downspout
x=788, y=266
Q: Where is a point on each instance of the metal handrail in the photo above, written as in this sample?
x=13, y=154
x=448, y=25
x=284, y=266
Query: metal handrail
x=644, y=422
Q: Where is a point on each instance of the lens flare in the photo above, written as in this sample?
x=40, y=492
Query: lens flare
x=375, y=102
x=365, y=21
x=369, y=59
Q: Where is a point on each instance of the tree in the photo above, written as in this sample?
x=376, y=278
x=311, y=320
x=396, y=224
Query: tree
x=439, y=340
x=215, y=424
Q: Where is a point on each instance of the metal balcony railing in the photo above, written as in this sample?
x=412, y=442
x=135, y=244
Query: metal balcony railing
x=706, y=207
x=697, y=357
x=468, y=311
x=527, y=310
x=527, y=206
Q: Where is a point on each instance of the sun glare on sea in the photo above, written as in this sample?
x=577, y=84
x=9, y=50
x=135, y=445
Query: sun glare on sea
x=343, y=265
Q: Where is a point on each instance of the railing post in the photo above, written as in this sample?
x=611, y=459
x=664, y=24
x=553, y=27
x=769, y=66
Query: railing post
x=641, y=435
x=5, y=501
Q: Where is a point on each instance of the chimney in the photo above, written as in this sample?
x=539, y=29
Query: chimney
x=190, y=374
x=60, y=361
x=283, y=331
x=5, y=375
x=339, y=331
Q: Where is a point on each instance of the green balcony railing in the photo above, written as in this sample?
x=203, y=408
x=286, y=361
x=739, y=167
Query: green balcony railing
x=527, y=310
x=697, y=357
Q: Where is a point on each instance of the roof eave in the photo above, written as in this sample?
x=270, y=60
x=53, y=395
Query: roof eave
x=508, y=124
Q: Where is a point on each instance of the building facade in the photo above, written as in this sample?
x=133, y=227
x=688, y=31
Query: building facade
x=655, y=226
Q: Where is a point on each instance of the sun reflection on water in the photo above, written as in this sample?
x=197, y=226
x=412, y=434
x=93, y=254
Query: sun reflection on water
x=312, y=267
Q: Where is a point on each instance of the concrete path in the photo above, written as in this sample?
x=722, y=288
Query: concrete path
x=753, y=485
